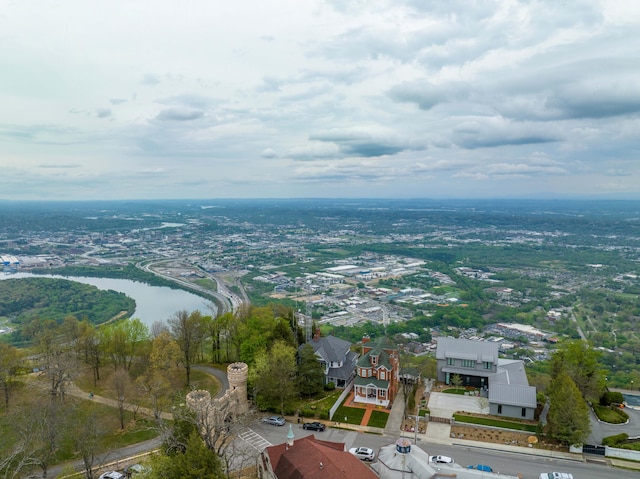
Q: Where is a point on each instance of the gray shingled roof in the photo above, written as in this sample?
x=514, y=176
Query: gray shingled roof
x=467, y=349
x=330, y=348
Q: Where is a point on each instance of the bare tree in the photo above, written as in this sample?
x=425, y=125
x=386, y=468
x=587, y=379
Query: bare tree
x=121, y=382
x=61, y=364
x=220, y=428
x=9, y=360
x=87, y=436
x=188, y=331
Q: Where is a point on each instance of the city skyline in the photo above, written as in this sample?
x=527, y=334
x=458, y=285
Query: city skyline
x=286, y=99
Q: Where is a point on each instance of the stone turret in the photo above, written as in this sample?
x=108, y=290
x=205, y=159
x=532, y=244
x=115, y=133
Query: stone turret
x=218, y=410
x=237, y=374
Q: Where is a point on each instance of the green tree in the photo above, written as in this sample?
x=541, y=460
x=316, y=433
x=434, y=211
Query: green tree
x=456, y=380
x=310, y=373
x=582, y=363
x=568, y=411
x=197, y=462
x=274, y=377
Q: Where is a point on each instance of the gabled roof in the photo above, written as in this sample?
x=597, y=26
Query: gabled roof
x=346, y=370
x=330, y=348
x=311, y=458
x=379, y=350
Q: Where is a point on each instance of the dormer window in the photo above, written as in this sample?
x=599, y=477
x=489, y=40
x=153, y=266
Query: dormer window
x=374, y=360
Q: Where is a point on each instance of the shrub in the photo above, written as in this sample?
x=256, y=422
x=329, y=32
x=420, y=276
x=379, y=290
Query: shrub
x=611, y=397
x=330, y=386
x=615, y=440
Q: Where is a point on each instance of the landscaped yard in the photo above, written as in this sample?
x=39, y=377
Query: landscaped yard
x=378, y=419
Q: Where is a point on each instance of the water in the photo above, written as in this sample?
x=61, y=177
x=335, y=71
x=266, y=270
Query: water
x=153, y=303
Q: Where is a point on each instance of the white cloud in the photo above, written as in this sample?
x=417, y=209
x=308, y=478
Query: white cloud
x=319, y=98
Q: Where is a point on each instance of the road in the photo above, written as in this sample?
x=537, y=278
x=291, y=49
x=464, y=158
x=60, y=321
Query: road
x=225, y=300
x=512, y=463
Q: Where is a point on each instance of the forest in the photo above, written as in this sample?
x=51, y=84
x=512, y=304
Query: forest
x=28, y=302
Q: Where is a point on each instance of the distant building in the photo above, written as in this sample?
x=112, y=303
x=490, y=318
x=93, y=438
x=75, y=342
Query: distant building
x=503, y=381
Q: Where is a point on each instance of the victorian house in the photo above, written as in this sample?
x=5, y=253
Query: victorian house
x=377, y=373
x=337, y=360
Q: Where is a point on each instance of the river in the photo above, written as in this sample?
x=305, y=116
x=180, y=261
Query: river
x=153, y=303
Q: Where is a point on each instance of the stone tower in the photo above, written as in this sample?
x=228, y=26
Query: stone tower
x=237, y=374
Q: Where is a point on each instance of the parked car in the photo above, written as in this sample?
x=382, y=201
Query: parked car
x=441, y=459
x=314, y=426
x=480, y=467
x=112, y=475
x=274, y=420
x=363, y=453
x=556, y=475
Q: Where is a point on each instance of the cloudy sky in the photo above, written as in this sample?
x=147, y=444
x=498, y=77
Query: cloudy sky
x=309, y=98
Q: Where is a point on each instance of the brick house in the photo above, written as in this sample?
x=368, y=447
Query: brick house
x=377, y=373
x=311, y=458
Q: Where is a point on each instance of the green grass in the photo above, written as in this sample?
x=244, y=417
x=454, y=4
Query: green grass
x=610, y=415
x=489, y=421
x=207, y=283
x=319, y=405
x=378, y=419
x=459, y=391
x=353, y=415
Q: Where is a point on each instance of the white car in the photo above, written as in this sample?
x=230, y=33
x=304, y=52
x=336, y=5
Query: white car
x=556, y=475
x=363, y=453
x=112, y=475
x=441, y=459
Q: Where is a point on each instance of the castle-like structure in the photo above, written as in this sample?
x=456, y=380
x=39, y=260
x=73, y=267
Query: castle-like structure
x=233, y=402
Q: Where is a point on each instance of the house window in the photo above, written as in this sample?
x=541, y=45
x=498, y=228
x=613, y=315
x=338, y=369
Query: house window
x=381, y=375
x=486, y=365
x=468, y=363
x=499, y=408
x=524, y=412
x=383, y=393
x=451, y=362
x=374, y=360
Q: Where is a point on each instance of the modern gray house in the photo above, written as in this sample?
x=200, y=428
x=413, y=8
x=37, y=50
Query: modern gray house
x=503, y=381
x=336, y=357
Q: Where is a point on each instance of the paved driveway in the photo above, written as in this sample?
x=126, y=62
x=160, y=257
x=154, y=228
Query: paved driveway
x=444, y=405
x=600, y=430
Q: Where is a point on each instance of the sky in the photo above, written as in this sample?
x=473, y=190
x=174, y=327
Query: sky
x=158, y=99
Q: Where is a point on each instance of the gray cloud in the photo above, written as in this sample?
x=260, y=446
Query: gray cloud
x=149, y=79
x=179, y=114
x=361, y=143
x=103, y=112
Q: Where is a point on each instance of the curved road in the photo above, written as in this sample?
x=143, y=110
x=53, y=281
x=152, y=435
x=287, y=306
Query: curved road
x=118, y=458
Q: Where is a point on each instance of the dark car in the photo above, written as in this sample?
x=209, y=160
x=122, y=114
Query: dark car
x=314, y=426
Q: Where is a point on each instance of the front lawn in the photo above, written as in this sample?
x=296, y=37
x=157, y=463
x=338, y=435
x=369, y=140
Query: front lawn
x=350, y=415
x=378, y=419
